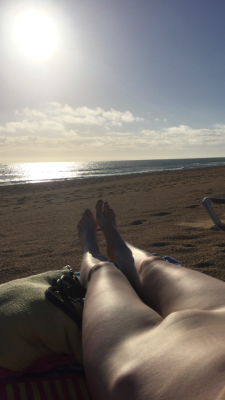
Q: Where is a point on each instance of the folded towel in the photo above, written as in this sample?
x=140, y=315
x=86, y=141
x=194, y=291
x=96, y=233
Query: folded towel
x=31, y=326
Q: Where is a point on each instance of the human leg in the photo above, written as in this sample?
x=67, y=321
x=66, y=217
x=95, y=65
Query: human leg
x=164, y=287
x=113, y=316
x=87, y=227
x=130, y=352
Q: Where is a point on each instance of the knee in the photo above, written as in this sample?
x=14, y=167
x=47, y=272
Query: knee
x=149, y=266
x=124, y=386
x=100, y=266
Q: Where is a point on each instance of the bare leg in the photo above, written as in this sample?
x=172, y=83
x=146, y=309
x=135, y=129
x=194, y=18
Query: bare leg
x=113, y=315
x=130, y=352
x=87, y=228
x=165, y=287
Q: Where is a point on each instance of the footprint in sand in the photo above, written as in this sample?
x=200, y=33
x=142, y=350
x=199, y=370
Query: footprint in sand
x=22, y=200
x=138, y=222
x=185, y=237
x=214, y=228
x=28, y=255
x=67, y=253
x=36, y=254
x=193, y=206
x=160, y=244
x=160, y=214
x=203, y=265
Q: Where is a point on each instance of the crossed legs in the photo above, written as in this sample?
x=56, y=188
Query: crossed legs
x=147, y=321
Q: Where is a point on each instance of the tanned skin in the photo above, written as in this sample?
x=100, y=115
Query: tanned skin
x=151, y=330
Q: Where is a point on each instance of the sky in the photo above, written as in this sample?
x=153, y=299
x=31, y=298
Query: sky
x=121, y=79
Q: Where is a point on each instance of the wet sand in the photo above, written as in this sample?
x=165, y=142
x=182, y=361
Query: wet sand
x=159, y=212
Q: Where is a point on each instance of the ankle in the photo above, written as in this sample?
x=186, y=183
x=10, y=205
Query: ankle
x=91, y=248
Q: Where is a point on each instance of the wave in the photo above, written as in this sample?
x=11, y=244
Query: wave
x=13, y=174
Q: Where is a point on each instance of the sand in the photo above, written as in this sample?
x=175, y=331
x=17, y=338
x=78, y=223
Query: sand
x=159, y=212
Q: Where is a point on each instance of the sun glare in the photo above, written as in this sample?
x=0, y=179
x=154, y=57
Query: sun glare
x=35, y=34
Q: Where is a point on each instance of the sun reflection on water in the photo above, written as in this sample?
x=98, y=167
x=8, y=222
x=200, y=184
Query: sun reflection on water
x=44, y=171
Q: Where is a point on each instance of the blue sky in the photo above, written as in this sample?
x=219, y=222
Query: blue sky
x=127, y=80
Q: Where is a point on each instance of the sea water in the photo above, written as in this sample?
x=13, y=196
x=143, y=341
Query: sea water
x=11, y=174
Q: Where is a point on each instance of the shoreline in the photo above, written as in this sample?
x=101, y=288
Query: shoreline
x=119, y=174
x=107, y=177
x=157, y=211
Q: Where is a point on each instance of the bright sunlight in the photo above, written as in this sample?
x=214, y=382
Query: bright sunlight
x=35, y=34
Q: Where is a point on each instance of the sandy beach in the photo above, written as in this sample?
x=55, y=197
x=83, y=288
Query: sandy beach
x=159, y=212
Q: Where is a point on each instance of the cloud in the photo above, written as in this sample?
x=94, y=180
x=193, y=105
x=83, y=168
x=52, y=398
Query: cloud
x=27, y=112
x=35, y=127
x=219, y=126
x=85, y=131
x=183, y=135
x=55, y=119
x=91, y=116
x=176, y=137
x=12, y=127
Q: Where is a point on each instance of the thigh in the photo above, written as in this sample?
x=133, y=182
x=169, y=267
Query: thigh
x=182, y=358
x=131, y=353
x=113, y=315
x=167, y=288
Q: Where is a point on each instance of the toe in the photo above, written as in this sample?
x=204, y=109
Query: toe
x=84, y=217
x=90, y=215
x=106, y=208
x=99, y=205
x=81, y=220
x=81, y=223
x=112, y=215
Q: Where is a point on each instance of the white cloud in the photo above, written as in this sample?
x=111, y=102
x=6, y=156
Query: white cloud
x=48, y=125
x=90, y=116
x=12, y=127
x=182, y=135
x=54, y=119
x=120, y=133
x=174, y=137
x=30, y=113
x=55, y=127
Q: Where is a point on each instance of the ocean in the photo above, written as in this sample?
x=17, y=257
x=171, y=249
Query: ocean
x=22, y=173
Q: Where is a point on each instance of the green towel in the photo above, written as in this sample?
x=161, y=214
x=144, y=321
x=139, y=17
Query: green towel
x=31, y=327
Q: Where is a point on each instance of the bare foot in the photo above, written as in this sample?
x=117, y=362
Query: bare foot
x=106, y=219
x=87, y=228
x=127, y=257
x=104, y=214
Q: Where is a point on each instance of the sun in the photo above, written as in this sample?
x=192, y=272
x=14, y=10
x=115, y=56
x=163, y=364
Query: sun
x=35, y=34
